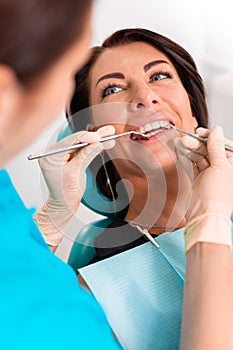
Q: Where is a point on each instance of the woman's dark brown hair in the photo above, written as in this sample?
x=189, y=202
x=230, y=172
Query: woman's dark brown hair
x=180, y=58
x=34, y=33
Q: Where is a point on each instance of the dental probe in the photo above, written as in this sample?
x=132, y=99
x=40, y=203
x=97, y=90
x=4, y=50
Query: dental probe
x=148, y=236
x=195, y=136
x=80, y=145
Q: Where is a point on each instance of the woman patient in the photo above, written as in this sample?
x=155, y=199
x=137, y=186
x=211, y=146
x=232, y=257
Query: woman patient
x=140, y=81
x=156, y=81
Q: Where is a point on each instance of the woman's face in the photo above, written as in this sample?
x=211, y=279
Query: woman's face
x=149, y=90
x=29, y=110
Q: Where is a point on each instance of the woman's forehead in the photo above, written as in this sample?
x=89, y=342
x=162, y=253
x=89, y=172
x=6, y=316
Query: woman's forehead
x=125, y=55
x=137, y=51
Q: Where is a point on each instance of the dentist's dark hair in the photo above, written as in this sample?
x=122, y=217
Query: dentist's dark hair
x=34, y=33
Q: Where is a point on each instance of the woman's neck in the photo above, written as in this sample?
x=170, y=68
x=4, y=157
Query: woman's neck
x=159, y=201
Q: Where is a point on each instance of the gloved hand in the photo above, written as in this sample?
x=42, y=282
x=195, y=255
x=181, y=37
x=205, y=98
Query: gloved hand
x=65, y=176
x=212, y=197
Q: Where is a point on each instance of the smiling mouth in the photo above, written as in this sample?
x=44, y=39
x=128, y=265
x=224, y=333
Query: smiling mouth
x=151, y=129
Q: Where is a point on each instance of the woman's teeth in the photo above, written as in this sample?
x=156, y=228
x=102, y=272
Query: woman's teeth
x=151, y=129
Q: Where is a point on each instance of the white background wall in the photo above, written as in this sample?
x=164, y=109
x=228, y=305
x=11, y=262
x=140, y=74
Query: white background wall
x=204, y=28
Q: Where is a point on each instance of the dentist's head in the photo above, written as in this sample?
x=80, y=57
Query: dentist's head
x=42, y=44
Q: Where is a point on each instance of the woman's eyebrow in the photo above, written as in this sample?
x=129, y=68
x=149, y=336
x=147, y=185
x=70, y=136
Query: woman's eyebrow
x=153, y=63
x=119, y=75
x=111, y=75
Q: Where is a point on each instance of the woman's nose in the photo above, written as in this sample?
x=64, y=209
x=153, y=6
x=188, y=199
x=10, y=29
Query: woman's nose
x=144, y=98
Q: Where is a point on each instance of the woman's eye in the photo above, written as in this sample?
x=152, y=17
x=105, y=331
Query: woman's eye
x=160, y=76
x=111, y=90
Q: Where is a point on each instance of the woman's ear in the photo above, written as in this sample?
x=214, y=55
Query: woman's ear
x=195, y=122
x=90, y=127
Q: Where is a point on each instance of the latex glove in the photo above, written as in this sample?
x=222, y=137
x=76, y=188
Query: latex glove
x=65, y=176
x=208, y=216
x=213, y=173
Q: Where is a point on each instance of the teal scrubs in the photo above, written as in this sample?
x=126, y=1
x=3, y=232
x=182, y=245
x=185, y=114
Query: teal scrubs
x=41, y=304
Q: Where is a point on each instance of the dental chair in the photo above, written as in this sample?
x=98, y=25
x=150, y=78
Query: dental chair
x=83, y=249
